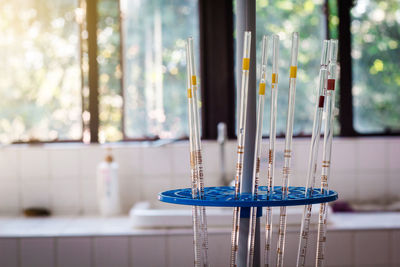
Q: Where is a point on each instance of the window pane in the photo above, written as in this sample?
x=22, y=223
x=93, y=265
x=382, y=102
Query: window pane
x=284, y=17
x=110, y=98
x=376, y=83
x=40, y=88
x=154, y=34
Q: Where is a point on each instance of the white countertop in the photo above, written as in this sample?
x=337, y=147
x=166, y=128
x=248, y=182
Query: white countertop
x=63, y=226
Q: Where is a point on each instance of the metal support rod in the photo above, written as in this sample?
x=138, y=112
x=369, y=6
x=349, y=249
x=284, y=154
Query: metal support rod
x=246, y=21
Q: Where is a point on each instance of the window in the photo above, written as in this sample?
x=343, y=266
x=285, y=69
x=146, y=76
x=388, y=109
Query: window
x=154, y=66
x=284, y=17
x=40, y=88
x=110, y=70
x=376, y=63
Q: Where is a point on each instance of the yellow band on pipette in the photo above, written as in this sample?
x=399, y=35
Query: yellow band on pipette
x=189, y=93
x=246, y=63
x=262, y=89
x=293, y=71
x=194, y=80
x=274, y=78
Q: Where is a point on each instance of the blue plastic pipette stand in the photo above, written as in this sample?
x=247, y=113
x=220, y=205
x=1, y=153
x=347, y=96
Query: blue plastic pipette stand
x=223, y=196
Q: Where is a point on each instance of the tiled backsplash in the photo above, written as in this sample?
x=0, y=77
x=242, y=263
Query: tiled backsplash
x=62, y=177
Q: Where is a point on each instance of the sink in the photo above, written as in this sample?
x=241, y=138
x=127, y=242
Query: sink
x=163, y=215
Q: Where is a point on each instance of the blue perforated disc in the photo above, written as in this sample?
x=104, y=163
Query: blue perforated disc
x=223, y=196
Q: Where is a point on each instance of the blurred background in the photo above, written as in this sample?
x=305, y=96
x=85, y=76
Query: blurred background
x=82, y=79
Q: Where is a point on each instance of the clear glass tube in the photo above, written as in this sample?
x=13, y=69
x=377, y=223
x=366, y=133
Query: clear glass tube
x=257, y=150
x=198, y=159
x=240, y=141
x=193, y=172
x=327, y=151
x=313, y=154
x=271, y=151
x=288, y=147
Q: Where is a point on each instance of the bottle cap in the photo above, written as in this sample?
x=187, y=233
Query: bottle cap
x=109, y=158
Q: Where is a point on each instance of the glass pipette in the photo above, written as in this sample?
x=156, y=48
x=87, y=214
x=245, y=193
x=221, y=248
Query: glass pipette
x=198, y=153
x=313, y=155
x=271, y=151
x=288, y=147
x=193, y=172
x=327, y=151
x=240, y=141
x=257, y=150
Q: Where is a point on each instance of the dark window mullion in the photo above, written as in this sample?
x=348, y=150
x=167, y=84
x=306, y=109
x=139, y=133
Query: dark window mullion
x=346, y=97
x=91, y=18
x=217, y=66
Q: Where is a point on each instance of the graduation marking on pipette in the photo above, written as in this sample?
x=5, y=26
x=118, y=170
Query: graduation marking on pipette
x=240, y=144
x=257, y=150
x=313, y=154
x=198, y=161
x=327, y=152
x=288, y=147
x=271, y=150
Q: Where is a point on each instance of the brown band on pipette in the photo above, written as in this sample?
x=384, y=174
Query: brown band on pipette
x=331, y=84
x=321, y=101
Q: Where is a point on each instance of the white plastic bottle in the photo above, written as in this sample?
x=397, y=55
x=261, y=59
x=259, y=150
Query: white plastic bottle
x=108, y=187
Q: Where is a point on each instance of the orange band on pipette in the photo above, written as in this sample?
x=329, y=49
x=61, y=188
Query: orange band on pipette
x=189, y=93
x=246, y=63
x=194, y=80
x=274, y=78
x=293, y=71
x=262, y=89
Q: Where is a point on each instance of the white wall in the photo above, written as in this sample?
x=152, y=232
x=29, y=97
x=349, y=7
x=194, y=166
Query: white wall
x=61, y=177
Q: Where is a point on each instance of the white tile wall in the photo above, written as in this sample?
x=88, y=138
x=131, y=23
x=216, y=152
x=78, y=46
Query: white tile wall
x=88, y=196
x=34, y=164
x=157, y=161
x=90, y=156
x=344, y=155
x=393, y=185
x=35, y=194
x=9, y=164
x=345, y=183
x=371, y=185
x=65, y=196
x=371, y=154
x=9, y=192
x=180, y=159
x=393, y=148
x=129, y=191
x=63, y=177
x=64, y=164
x=129, y=160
